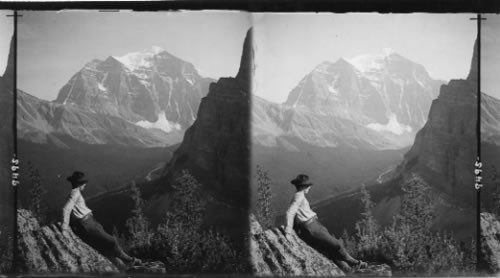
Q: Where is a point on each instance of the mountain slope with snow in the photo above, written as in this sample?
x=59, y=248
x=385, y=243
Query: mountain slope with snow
x=442, y=156
x=374, y=101
x=142, y=99
x=345, y=124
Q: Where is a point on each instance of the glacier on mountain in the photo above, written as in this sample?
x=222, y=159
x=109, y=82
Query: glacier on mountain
x=162, y=123
x=393, y=126
x=371, y=62
x=157, y=49
x=137, y=60
x=101, y=87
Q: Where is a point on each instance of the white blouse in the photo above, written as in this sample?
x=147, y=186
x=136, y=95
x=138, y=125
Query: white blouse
x=75, y=205
x=299, y=209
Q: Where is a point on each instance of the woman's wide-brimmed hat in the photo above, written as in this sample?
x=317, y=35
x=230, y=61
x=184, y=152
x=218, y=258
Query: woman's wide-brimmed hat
x=77, y=178
x=301, y=181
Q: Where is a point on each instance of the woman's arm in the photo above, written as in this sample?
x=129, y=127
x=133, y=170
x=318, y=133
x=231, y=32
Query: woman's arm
x=292, y=210
x=68, y=207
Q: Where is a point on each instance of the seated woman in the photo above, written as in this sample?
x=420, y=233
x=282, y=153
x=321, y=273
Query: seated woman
x=305, y=221
x=85, y=226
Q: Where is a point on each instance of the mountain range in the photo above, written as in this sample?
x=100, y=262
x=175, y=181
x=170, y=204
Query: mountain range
x=375, y=119
x=215, y=150
x=344, y=124
x=116, y=119
x=374, y=101
x=145, y=99
x=443, y=156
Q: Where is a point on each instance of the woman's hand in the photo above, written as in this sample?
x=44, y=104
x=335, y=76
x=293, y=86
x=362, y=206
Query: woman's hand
x=288, y=235
x=64, y=227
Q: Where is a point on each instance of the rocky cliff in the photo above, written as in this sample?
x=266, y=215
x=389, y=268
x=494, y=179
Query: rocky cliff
x=273, y=254
x=490, y=148
x=6, y=152
x=490, y=242
x=445, y=148
x=490, y=120
x=216, y=147
x=47, y=250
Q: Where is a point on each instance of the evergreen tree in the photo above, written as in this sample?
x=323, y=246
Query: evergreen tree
x=185, y=244
x=408, y=244
x=496, y=193
x=138, y=225
x=367, y=228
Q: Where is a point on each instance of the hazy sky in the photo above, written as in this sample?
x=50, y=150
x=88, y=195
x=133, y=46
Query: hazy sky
x=6, y=30
x=289, y=46
x=53, y=46
x=490, y=52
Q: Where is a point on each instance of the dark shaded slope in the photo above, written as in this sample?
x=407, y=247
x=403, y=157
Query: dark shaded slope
x=6, y=154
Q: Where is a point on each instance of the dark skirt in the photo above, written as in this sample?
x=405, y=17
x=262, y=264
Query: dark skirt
x=93, y=233
x=317, y=236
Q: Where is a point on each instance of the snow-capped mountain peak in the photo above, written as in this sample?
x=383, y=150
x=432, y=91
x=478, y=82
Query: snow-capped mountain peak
x=157, y=49
x=137, y=60
x=372, y=61
x=138, y=87
x=383, y=93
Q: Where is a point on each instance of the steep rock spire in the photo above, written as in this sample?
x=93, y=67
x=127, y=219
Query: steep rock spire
x=247, y=58
x=8, y=74
x=474, y=65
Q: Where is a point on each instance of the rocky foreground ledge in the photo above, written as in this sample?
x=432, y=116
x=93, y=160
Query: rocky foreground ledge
x=490, y=242
x=45, y=249
x=273, y=255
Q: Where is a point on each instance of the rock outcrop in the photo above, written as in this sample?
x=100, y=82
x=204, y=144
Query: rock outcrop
x=8, y=74
x=6, y=153
x=445, y=148
x=273, y=254
x=216, y=147
x=47, y=250
x=490, y=120
x=490, y=148
x=490, y=242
